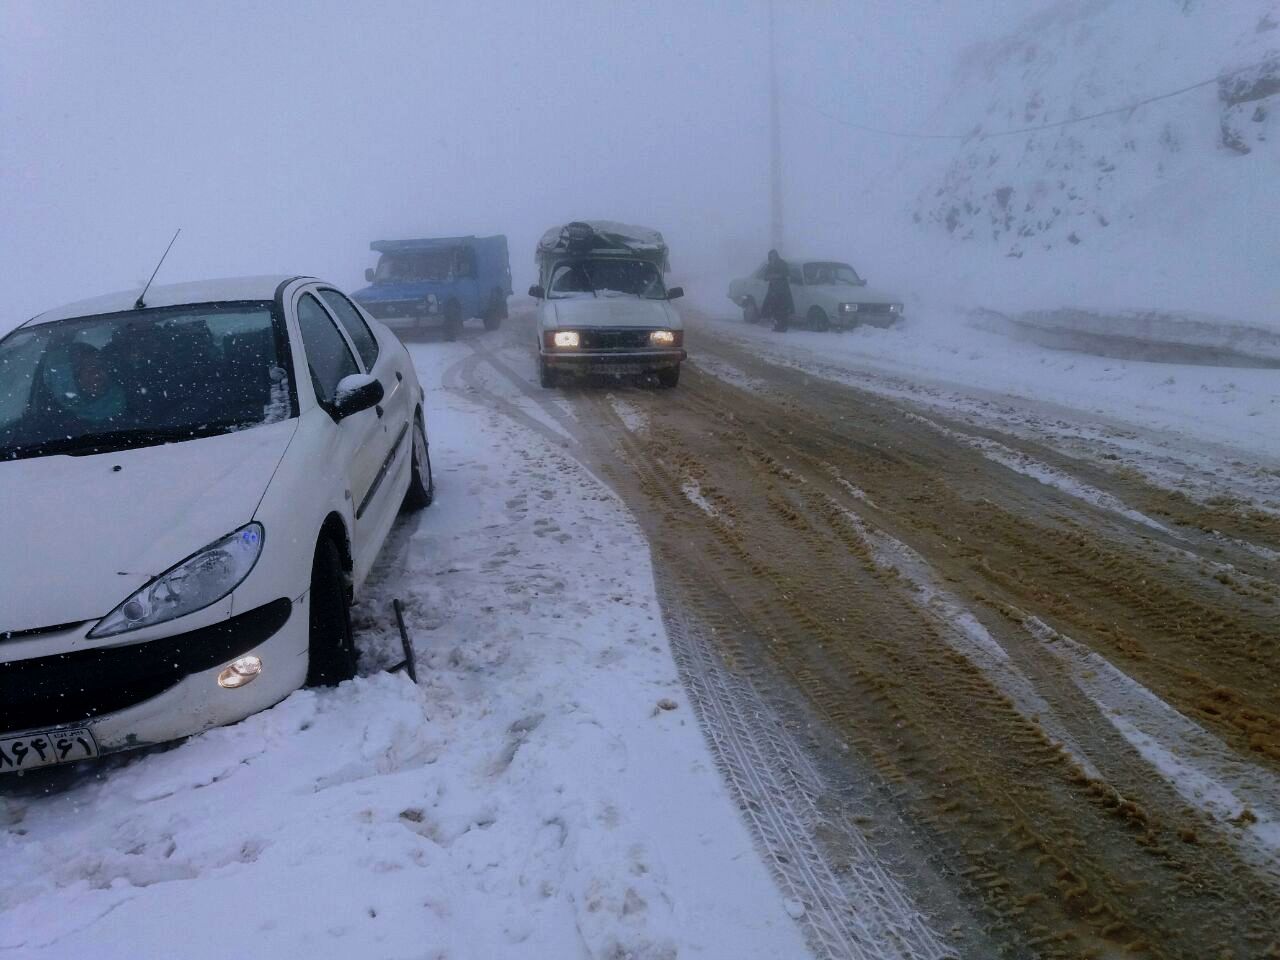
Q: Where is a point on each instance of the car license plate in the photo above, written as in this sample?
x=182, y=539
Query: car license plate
x=33, y=750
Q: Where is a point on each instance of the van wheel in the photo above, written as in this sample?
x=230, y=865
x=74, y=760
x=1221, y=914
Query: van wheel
x=452, y=320
x=750, y=312
x=668, y=377
x=546, y=376
x=331, y=655
x=818, y=319
x=422, y=486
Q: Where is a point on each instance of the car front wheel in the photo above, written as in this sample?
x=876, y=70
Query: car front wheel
x=332, y=649
x=668, y=377
x=750, y=312
x=546, y=376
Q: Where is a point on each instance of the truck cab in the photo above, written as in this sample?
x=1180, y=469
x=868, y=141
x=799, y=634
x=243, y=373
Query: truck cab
x=442, y=281
x=603, y=305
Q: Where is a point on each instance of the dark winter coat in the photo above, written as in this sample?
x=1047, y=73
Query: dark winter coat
x=778, y=304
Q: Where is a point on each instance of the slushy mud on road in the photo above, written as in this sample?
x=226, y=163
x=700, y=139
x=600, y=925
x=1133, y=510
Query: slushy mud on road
x=1035, y=695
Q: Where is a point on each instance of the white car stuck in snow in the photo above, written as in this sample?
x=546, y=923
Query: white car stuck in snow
x=193, y=490
x=827, y=294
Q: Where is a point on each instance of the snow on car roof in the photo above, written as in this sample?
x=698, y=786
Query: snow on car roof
x=170, y=295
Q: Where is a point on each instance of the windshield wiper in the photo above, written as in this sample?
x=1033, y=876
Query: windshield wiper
x=109, y=440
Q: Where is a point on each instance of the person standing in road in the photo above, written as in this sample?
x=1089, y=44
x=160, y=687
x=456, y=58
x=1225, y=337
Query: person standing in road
x=778, y=305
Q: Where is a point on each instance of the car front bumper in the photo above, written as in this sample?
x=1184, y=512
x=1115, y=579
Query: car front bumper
x=614, y=361
x=189, y=701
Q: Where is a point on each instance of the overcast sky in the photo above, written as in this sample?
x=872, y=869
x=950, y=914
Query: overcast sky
x=283, y=137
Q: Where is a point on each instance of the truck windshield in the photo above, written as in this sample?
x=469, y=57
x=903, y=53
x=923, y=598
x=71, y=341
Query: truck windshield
x=607, y=277
x=140, y=378
x=417, y=265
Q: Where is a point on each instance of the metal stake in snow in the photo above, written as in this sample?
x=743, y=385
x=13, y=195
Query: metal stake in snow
x=138, y=304
x=410, y=664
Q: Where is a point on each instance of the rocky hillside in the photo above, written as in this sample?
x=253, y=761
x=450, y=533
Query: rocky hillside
x=1182, y=164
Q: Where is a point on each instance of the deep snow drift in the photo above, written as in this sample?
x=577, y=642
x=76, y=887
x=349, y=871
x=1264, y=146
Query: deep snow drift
x=545, y=793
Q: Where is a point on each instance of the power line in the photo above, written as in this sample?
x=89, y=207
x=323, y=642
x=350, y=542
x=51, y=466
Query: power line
x=978, y=135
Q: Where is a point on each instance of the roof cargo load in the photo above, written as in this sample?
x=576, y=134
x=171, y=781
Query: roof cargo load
x=603, y=238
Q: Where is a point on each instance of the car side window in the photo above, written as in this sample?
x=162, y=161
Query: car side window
x=328, y=356
x=359, y=332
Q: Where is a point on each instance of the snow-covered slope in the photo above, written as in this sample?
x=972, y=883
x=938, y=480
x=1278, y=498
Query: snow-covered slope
x=1173, y=205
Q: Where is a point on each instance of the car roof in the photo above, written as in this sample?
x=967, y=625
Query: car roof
x=172, y=295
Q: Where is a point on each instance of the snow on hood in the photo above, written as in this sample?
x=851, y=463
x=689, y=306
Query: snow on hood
x=82, y=535
x=607, y=311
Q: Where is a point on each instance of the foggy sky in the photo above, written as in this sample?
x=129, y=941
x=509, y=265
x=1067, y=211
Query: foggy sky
x=285, y=137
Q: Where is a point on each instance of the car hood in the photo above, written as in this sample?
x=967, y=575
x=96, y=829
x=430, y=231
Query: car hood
x=615, y=312
x=410, y=290
x=847, y=294
x=82, y=533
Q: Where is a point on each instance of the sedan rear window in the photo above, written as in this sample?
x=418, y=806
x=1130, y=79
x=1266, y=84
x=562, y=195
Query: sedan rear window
x=139, y=378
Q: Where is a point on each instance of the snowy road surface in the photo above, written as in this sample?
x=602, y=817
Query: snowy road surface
x=545, y=793
x=850, y=647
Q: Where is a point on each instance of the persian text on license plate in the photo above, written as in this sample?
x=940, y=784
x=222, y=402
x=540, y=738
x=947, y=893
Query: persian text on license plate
x=33, y=750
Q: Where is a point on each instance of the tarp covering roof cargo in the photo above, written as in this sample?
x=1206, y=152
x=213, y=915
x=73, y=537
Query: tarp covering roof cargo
x=405, y=246
x=603, y=237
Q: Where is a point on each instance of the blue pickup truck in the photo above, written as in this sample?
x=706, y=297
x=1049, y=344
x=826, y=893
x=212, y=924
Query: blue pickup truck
x=438, y=282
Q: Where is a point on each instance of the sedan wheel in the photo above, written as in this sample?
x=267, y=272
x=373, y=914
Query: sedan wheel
x=750, y=312
x=422, y=486
x=332, y=651
x=818, y=319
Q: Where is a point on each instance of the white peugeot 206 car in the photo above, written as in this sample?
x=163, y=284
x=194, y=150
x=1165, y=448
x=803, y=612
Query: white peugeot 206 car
x=192, y=490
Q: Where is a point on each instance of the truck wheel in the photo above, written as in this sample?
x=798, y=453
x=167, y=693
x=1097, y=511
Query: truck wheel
x=497, y=311
x=546, y=376
x=750, y=312
x=331, y=653
x=452, y=320
x=668, y=377
x=818, y=319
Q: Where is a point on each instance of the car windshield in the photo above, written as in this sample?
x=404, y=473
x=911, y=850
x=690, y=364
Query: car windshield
x=838, y=273
x=140, y=378
x=418, y=265
x=607, y=277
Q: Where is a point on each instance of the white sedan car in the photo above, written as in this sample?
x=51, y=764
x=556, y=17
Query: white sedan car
x=827, y=295
x=193, y=490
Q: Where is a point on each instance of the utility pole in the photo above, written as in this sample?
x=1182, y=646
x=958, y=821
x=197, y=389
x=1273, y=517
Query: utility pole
x=775, y=139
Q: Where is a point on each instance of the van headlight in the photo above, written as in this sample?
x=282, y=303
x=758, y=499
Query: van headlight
x=202, y=579
x=663, y=338
x=566, y=338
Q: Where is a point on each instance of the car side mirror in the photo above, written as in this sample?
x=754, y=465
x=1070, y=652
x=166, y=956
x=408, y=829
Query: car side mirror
x=675, y=293
x=537, y=292
x=368, y=274
x=356, y=392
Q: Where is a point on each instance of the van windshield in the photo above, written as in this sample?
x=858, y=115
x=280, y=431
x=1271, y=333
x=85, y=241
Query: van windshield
x=607, y=277
x=140, y=378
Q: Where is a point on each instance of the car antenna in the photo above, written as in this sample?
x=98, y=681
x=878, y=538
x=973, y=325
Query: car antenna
x=138, y=304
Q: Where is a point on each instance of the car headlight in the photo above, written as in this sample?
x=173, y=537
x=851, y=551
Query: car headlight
x=663, y=337
x=848, y=308
x=203, y=578
x=895, y=308
x=566, y=338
